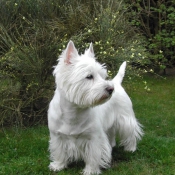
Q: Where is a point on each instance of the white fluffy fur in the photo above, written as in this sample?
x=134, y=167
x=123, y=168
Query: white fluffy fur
x=84, y=115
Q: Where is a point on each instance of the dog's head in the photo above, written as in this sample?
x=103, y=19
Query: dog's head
x=82, y=78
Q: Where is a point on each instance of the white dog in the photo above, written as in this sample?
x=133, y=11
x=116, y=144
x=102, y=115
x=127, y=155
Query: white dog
x=86, y=113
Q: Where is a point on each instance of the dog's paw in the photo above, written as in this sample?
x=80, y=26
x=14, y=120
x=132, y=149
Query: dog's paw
x=91, y=171
x=56, y=166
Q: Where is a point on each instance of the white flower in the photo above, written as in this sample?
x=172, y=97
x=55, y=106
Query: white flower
x=139, y=54
x=132, y=55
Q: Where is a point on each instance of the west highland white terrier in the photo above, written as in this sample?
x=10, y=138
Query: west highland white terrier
x=87, y=112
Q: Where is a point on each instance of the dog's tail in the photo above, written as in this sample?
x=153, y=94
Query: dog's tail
x=119, y=77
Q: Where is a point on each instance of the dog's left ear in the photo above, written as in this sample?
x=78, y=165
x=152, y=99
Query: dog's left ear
x=90, y=51
x=70, y=52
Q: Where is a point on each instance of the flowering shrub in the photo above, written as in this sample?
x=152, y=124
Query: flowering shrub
x=156, y=20
x=33, y=33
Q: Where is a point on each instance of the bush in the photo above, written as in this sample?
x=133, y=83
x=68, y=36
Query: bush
x=156, y=20
x=33, y=33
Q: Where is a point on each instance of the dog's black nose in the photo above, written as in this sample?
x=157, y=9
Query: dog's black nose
x=110, y=90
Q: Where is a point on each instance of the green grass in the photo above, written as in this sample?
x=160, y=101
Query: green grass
x=25, y=151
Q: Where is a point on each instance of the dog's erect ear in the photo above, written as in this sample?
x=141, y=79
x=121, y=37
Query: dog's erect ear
x=70, y=52
x=90, y=51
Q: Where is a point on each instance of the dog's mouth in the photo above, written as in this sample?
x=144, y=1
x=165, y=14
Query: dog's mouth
x=103, y=99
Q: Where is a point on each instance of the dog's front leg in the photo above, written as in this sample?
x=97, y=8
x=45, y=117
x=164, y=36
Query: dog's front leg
x=92, y=161
x=97, y=154
x=58, y=155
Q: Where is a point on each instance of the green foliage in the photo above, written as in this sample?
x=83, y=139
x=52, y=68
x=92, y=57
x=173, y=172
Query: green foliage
x=156, y=20
x=32, y=35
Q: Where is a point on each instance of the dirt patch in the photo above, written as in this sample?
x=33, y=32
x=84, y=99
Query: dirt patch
x=170, y=71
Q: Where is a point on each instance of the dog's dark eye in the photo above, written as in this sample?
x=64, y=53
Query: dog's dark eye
x=90, y=77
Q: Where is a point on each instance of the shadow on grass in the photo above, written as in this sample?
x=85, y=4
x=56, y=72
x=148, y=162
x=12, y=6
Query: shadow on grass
x=119, y=155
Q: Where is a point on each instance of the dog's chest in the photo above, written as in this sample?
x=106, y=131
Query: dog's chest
x=73, y=125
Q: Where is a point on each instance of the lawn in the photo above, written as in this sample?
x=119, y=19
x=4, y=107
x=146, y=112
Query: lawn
x=25, y=151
